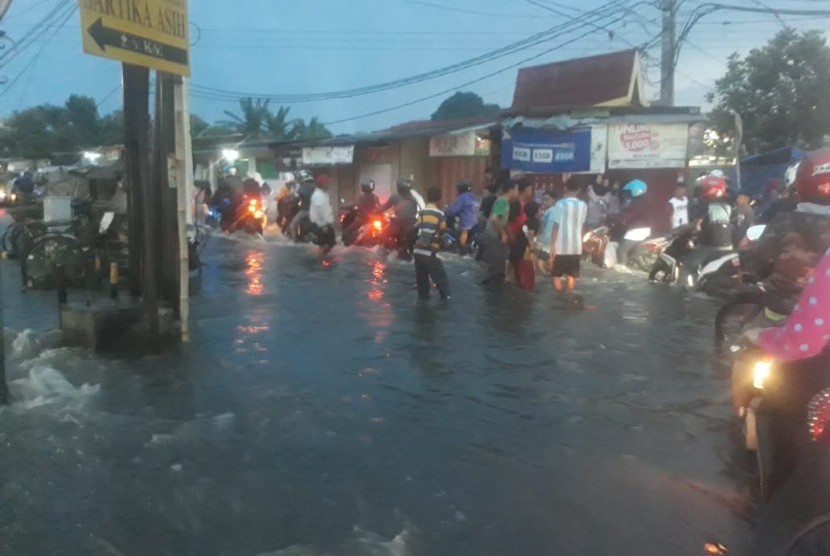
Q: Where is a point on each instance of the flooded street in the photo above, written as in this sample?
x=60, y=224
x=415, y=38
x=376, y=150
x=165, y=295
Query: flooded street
x=320, y=409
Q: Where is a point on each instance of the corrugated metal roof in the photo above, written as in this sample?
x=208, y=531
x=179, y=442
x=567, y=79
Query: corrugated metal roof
x=588, y=81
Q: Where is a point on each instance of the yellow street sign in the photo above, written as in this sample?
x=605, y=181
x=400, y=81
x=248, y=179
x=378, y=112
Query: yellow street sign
x=150, y=33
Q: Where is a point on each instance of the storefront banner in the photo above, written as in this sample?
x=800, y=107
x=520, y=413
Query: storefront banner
x=545, y=151
x=458, y=144
x=647, y=145
x=327, y=156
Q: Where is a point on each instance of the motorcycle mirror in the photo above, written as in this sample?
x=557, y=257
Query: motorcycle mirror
x=754, y=233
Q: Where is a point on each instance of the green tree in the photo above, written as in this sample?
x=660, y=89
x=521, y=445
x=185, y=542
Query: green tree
x=464, y=105
x=309, y=131
x=252, y=117
x=780, y=91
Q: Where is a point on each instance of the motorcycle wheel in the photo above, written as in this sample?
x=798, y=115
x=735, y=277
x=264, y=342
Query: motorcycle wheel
x=797, y=520
x=660, y=272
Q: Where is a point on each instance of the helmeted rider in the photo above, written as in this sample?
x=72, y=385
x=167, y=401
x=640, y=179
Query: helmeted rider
x=304, y=192
x=367, y=202
x=286, y=202
x=713, y=215
x=465, y=209
x=635, y=216
x=405, y=207
x=794, y=242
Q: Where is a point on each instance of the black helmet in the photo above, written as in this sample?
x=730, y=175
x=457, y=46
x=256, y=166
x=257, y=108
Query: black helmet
x=464, y=186
x=367, y=186
x=304, y=176
x=404, y=186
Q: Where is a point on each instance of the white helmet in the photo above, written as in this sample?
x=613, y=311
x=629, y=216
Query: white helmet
x=717, y=174
x=289, y=177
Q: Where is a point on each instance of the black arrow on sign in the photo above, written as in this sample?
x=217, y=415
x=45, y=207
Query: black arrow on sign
x=107, y=37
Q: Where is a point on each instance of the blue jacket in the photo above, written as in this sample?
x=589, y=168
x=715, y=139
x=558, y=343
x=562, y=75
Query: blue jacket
x=465, y=208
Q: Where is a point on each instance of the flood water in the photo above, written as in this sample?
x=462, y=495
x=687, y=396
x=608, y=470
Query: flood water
x=320, y=409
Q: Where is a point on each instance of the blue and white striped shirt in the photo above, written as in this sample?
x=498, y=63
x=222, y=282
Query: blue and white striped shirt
x=569, y=214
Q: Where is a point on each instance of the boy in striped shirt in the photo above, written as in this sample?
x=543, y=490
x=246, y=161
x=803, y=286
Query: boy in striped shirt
x=431, y=225
x=569, y=215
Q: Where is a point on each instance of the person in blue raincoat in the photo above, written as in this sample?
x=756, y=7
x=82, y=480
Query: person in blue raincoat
x=465, y=209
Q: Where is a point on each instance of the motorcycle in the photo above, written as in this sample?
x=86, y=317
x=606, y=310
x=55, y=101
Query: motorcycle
x=797, y=519
x=670, y=251
x=452, y=237
x=369, y=233
x=785, y=412
x=721, y=272
x=246, y=215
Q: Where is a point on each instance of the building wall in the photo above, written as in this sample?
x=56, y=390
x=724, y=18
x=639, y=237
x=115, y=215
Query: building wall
x=413, y=162
x=446, y=172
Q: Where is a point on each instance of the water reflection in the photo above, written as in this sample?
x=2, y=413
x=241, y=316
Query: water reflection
x=377, y=279
x=253, y=271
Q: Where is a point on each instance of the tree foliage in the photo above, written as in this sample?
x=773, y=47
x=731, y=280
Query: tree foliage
x=463, y=105
x=780, y=91
x=41, y=131
x=255, y=118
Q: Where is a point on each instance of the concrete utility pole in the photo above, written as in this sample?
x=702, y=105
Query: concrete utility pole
x=669, y=53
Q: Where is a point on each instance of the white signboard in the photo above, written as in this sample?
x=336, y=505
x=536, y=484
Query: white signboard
x=461, y=144
x=327, y=156
x=647, y=145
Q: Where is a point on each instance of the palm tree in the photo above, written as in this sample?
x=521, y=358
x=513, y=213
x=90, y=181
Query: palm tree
x=254, y=115
x=311, y=130
x=277, y=124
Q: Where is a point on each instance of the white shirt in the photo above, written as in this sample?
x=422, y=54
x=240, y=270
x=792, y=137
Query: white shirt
x=569, y=216
x=680, y=212
x=320, y=211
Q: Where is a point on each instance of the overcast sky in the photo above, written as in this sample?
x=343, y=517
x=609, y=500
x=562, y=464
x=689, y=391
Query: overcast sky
x=313, y=46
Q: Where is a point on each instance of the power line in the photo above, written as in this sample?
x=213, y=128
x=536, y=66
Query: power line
x=63, y=19
x=42, y=27
x=467, y=84
x=509, y=49
x=466, y=11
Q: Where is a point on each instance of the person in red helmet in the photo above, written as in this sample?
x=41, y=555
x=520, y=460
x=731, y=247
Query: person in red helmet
x=794, y=242
x=713, y=214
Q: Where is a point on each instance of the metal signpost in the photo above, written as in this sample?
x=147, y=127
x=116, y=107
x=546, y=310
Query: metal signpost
x=142, y=34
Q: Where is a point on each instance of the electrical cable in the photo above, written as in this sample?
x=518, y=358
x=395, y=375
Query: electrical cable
x=509, y=49
x=64, y=18
x=453, y=89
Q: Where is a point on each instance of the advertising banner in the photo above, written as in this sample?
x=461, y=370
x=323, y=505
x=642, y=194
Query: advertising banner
x=545, y=151
x=647, y=145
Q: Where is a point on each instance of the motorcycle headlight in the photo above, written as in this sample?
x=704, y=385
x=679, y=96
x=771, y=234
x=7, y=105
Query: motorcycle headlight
x=760, y=373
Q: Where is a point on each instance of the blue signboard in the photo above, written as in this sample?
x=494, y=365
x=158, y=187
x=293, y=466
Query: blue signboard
x=545, y=151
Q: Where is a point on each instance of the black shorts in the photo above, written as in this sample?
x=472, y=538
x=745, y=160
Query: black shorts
x=566, y=265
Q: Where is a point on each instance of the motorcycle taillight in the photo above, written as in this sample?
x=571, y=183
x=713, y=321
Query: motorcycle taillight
x=818, y=416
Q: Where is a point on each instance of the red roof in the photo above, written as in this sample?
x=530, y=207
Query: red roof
x=581, y=82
